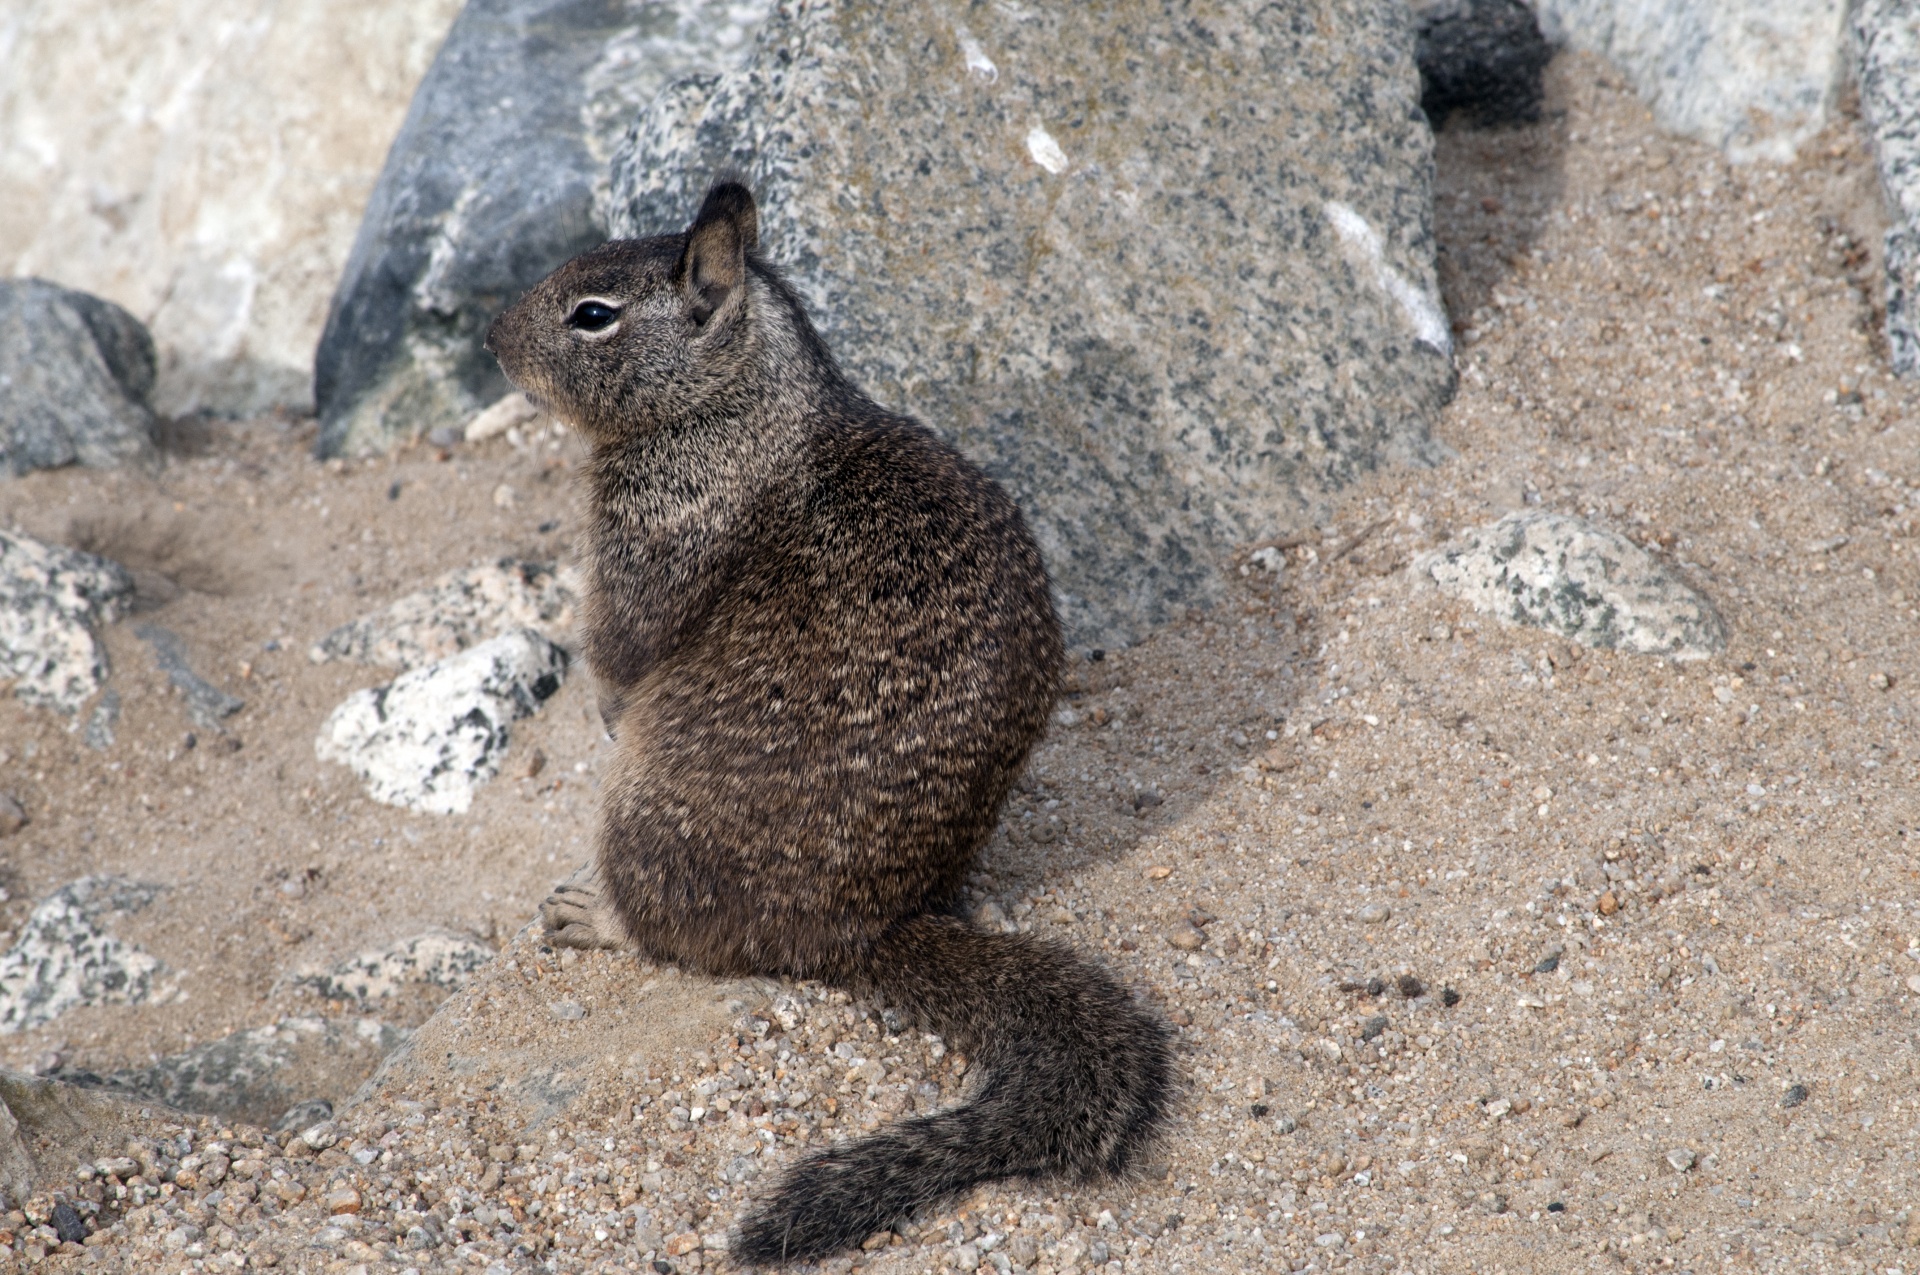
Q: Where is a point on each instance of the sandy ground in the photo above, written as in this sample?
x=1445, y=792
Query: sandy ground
x=1487, y=953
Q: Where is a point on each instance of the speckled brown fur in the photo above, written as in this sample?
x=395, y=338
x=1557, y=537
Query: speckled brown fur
x=826, y=643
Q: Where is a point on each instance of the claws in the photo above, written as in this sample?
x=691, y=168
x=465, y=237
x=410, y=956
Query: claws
x=576, y=914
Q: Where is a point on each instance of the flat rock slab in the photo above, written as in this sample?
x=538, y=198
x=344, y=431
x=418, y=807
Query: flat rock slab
x=1886, y=39
x=457, y=611
x=1167, y=272
x=65, y=958
x=51, y=601
x=1753, y=77
x=75, y=373
x=264, y=1074
x=259, y=1074
x=1584, y=582
x=426, y=740
x=542, y=1045
x=493, y=181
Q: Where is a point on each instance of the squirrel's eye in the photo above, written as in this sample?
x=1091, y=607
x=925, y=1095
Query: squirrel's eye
x=592, y=316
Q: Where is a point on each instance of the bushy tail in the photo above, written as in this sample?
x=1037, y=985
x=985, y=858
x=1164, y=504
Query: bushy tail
x=1076, y=1077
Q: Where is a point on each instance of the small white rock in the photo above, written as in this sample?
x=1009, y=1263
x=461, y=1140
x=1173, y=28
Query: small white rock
x=1374, y=913
x=1680, y=1159
x=459, y=610
x=512, y=410
x=432, y=736
x=437, y=958
x=51, y=600
x=1579, y=580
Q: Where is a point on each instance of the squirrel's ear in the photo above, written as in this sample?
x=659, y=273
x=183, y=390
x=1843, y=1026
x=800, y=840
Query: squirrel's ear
x=713, y=267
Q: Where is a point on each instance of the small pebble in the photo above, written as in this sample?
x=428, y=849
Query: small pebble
x=1187, y=937
x=567, y=1011
x=1680, y=1159
x=345, y=1200
x=1284, y=1124
x=1548, y=966
x=67, y=1224
x=1411, y=987
x=13, y=816
x=1373, y=1027
x=1449, y=997
x=1374, y=913
x=1794, y=1096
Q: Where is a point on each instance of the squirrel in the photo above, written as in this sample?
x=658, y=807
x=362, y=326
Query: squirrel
x=825, y=643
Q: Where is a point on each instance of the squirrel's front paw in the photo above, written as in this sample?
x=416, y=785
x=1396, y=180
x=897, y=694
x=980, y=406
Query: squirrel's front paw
x=577, y=914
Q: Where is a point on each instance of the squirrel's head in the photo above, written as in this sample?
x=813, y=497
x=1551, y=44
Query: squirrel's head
x=639, y=332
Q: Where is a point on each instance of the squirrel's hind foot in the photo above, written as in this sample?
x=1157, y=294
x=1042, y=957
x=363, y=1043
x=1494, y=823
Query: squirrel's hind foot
x=577, y=914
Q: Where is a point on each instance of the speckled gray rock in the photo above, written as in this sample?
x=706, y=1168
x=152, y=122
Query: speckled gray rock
x=456, y=611
x=51, y=601
x=75, y=372
x=435, y=959
x=1584, y=582
x=1886, y=42
x=1753, y=77
x=64, y=956
x=492, y=182
x=426, y=740
x=1165, y=269
x=256, y=1075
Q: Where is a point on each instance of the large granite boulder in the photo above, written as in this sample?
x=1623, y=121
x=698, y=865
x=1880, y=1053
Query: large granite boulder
x=491, y=183
x=204, y=163
x=75, y=373
x=1886, y=36
x=1166, y=270
x=1753, y=77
